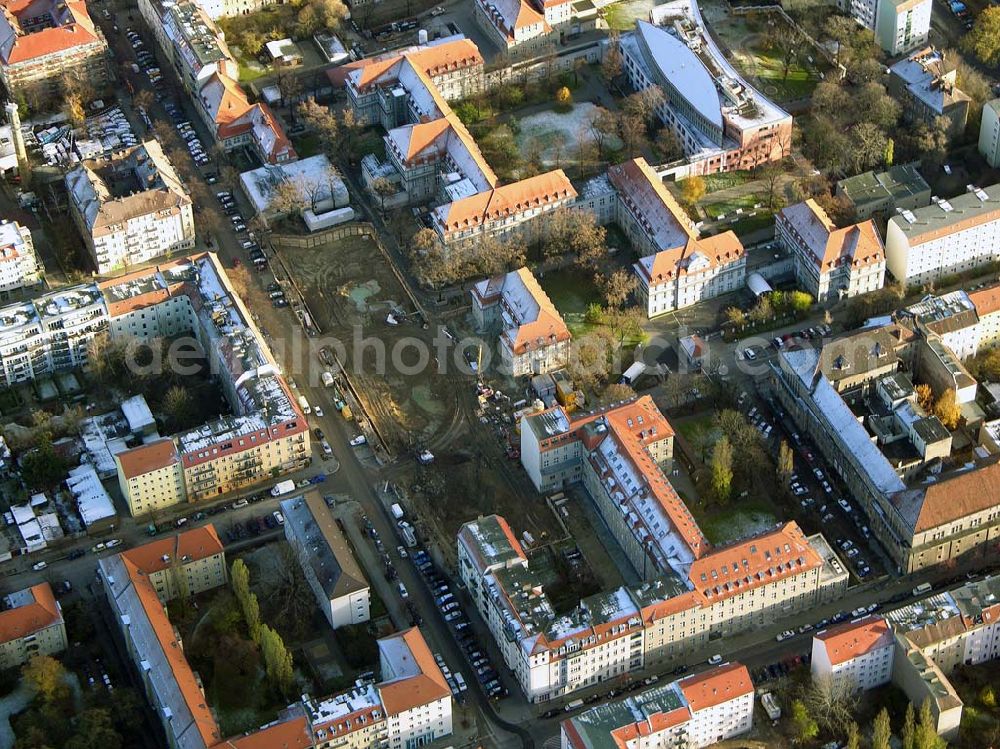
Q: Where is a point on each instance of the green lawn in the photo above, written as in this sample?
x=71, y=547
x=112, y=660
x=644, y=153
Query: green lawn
x=798, y=84
x=729, y=207
x=572, y=292
x=250, y=73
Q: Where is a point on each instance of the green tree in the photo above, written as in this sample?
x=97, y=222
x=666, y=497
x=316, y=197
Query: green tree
x=722, y=469
x=806, y=728
x=43, y=467
x=323, y=122
x=47, y=677
x=983, y=40
x=881, y=730
x=239, y=580
x=909, y=735
x=179, y=408
x=926, y=736
x=853, y=739
x=383, y=187
x=799, y=301
x=277, y=659
x=692, y=190
x=94, y=730
x=617, y=287
x=987, y=697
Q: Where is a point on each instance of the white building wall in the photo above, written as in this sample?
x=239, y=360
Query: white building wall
x=723, y=721
x=989, y=134
x=354, y=608
x=952, y=253
x=421, y=725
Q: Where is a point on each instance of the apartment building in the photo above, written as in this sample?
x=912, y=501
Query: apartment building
x=512, y=213
x=44, y=43
x=264, y=436
x=854, y=656
x=927, y=92
x=831, y=263
x=902, y=25
x=952, y=317
x=989, y=133
x=223, y=8
x=920, y=520
x=986, y=301
x=721, y=121
x=899, y=25
x=184, y=564
x=236, y=122
x=51, y=333
x=677, y=268
x=327, y=561
x=950, y=236
x=694, y=712
x=411, y=706
x=173, y=689
x=881, y=194
x=20, y=267
x=150, y=476
x=415, y=696
x=533, y=339
x=916, y=647
x=148, y=213
x=31, y=623
x=197, y=47
x=614, y=633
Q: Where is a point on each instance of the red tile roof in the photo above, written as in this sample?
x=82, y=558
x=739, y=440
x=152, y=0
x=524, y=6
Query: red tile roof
x=986, y=300
x=533, y=193
x=149, y=457
x=33, y=617
x=195, y=544
x=853, y=639
x=79, y=30
x=187, y=684
x=710, y=688
x=426, y=687
x=756, y=561
x=857, y=245
x=288, y=734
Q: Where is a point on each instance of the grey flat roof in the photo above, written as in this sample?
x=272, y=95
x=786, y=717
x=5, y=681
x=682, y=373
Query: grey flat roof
x=329, y=554
x=946, y=217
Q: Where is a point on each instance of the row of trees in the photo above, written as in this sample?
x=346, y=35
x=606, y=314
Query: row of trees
x=564, y=232
x=818, y=711
x=277, y=659
x=770, y=305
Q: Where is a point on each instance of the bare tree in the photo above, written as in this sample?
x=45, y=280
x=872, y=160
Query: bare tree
x=382, y=189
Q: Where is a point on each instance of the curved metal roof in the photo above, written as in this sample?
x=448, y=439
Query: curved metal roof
x=679, y=65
